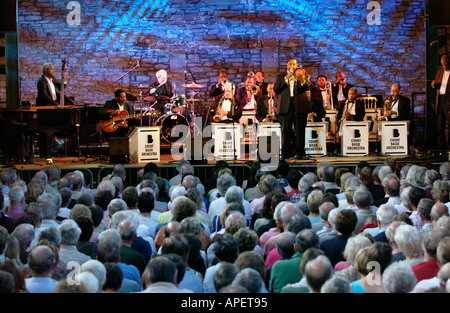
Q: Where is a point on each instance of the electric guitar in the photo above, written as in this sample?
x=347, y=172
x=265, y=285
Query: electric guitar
x=115, y=122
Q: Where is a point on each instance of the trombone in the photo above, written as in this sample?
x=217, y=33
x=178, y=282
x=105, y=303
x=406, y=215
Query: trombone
x=329, y=89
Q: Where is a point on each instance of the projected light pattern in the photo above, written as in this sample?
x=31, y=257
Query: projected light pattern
x=236, y=36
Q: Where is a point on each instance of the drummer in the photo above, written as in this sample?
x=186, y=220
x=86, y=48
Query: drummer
x=159, y=92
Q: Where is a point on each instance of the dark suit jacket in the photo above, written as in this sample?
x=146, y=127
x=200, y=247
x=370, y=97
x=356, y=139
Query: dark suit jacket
x=263, y=107
x=404, y=109
x=317, y=107
x=44, y=97
x=281, y=88
x=235, y=114
x=335, y=90
x=216, y=91
x=437, y=86
x=360, y=111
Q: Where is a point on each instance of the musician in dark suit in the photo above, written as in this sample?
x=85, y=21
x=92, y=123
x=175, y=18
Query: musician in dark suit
x=442, y=85
x=400, y=106
x=293, y=107
x=340, y=89
x=259, y=81
x=318, y=111
x=218, y=89
x=247, y=97
x=161, y=89
x=351, y=109
x=262, y=105
x=48, y=87
x=225, y=107
x=113, y=108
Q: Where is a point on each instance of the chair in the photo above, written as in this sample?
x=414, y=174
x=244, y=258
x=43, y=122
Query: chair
x=369, y=102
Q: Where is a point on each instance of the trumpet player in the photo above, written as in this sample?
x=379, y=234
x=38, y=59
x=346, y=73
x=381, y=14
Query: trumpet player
x=218, y=89
x=266, y=106
x=351, y=109
x=259, y=81
x=397, y=107
x=247, y=97
x=324, y=92
x=293, y=108
x=341, y=89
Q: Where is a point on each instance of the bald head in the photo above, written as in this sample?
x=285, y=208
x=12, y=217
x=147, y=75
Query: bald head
x=173, y=228
x=439, y=209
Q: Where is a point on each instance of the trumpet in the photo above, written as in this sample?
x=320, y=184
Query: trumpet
x=342, y=80
x=254, y=90
x=270, y=114
x=328, y=87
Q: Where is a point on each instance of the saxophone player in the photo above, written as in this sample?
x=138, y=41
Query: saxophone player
x=351, y=109
x=226, y=107
x=397, y=107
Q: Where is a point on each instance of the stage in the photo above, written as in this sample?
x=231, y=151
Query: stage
x=100, y=165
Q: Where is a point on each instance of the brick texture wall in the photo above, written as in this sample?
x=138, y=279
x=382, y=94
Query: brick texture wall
x=235, y=35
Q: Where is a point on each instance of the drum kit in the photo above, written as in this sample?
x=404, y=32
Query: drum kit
x=176, y=111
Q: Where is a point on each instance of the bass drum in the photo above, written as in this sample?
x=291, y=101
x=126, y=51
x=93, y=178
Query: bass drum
x=167, y=123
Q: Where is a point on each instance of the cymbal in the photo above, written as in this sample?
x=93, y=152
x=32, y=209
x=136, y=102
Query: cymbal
x=131, y=97
x=193, y=85
x=156, y=98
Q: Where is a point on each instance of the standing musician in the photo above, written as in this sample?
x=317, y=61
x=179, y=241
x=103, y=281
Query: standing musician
x=442, y=85
x=48, y=87
x=340, y=89
x=397, y=107
x=160, y=88
x=293, y=107
x=267, y=105
x=246, y=97
x=115, y=108
x=351, y=109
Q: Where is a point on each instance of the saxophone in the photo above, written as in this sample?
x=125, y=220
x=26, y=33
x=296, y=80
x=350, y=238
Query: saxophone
x=218, y=117
x=387, y=106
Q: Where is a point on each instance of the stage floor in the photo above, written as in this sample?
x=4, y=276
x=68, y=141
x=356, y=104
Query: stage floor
x=167, y=159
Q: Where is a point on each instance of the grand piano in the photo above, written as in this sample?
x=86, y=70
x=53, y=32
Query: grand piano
x=50, y=121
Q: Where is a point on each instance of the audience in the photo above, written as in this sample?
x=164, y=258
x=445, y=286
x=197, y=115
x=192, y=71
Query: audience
x=381, y=229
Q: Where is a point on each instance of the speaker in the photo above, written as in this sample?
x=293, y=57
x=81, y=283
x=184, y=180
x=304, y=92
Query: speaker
x=119, y=150
x=8, y=16
x=439, y=12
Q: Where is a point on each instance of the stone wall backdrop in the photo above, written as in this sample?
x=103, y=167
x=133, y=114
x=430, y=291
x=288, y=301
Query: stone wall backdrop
x=102, y=39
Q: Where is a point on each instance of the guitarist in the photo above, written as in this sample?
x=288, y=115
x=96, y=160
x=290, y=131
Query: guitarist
x=113, y=108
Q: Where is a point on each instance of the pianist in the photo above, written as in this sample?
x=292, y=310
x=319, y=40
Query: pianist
x=48, y=88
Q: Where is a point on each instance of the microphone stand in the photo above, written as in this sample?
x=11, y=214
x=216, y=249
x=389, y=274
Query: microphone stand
x=130, y=70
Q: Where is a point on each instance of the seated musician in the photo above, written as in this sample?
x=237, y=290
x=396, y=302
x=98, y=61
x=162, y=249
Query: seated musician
x=161, y=89
x=247, y=97
x=226, y=108
x=117, y=107
x=397, y=107
x=265, y=102
x=351, y=109
x=318, y=111
x=48, y=87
